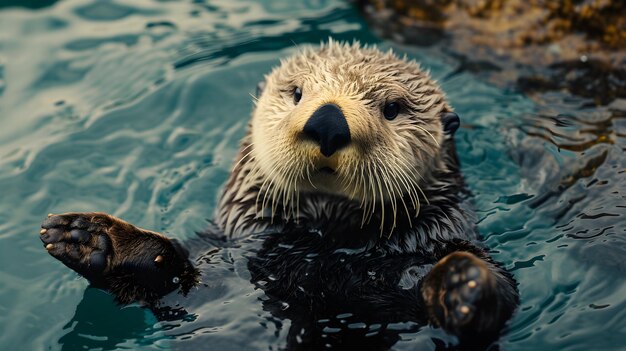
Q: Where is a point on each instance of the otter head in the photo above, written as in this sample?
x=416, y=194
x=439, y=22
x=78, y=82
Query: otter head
x=351, y=121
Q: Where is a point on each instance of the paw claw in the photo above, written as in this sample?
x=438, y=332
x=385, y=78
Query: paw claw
x=81, y=245
x=108, y=251
x=52, y=235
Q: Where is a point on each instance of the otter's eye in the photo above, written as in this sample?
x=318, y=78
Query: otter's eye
x=391, y=110
x=297, y=95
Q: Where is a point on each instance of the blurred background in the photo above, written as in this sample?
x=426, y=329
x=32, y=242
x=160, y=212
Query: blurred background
x=136, y=108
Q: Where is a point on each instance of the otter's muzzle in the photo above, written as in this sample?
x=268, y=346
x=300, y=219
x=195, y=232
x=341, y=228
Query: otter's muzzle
x=328, y=127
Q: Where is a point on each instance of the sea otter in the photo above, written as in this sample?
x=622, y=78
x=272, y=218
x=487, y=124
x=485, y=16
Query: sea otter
x=349, y=176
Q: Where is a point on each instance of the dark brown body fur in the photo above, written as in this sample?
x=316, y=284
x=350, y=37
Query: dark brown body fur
x=325, y=252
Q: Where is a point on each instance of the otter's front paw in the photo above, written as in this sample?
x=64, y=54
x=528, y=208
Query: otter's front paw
x=80, y=241
x=132, y=263
x=456, y=291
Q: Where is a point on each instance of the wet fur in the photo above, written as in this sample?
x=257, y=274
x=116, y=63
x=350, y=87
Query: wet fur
x=383, y=171
x=321, y=245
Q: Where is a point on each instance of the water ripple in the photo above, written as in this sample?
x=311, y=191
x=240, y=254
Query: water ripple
x=137, y=107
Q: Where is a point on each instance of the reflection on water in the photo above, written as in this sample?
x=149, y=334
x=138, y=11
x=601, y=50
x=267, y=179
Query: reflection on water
x=136, y=108
x=96, y=324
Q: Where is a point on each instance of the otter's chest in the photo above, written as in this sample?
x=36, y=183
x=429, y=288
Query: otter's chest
x=298, y=265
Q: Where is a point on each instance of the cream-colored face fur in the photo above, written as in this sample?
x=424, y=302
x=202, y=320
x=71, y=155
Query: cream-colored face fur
x=385, y=161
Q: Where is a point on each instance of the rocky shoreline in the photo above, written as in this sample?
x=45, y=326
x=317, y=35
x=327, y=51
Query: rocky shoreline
x=534, y=46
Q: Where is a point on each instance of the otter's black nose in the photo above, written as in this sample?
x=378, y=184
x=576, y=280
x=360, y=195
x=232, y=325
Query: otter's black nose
x=328, y=127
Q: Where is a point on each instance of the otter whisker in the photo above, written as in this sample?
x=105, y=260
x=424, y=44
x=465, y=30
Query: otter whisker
x=265, y=193
x=296, y=178
x=254, y=178
x=417, y=182
x=365, y=203
x=372, y=210
x=246, y=148
x=411, y=193
x=427, y=132
x=297, y=207
x=292, y=192
x=412, y=183
x=284, y=190
x=396, y=192
x=308, y=174
x=278, y=191
x=255, y=99
x=382, y=202
x=274, y=196
x=351, y=181
x=270, y=178
x=281, y=191
x=289, y=193
x=244, y=157
x=363, y=187
x=385, y=178
x=423, y=194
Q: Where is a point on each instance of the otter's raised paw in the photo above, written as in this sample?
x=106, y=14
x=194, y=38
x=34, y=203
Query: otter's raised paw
x=80, y=241
x=456, y=290
x=132, y=263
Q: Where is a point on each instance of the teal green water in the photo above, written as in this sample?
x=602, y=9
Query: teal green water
x=136, y=108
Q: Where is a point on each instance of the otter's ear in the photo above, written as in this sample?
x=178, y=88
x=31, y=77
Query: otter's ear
x=450, y=121
x=259, y=88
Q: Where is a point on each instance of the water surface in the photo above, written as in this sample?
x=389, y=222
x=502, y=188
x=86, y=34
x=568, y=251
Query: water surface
x=136, y=108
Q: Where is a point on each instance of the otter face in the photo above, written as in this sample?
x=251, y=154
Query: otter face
x=350, y=121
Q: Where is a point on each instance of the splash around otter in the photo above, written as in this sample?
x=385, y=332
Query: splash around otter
x=348, y=167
